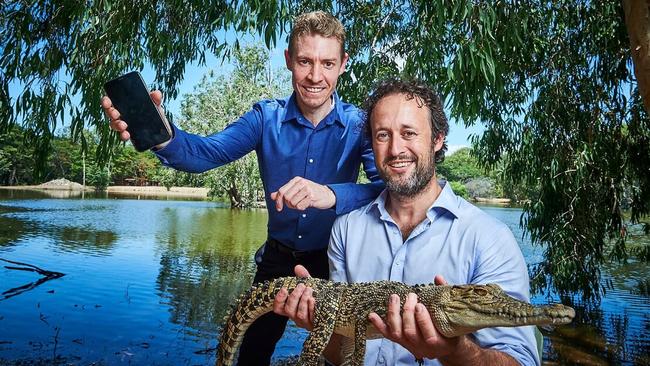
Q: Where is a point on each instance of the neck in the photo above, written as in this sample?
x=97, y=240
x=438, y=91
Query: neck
x=316, y=115
x=408, y=212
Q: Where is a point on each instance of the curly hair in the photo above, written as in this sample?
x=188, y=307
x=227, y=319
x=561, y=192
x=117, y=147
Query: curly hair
x=423, y=94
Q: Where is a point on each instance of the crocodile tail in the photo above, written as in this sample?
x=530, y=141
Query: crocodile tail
x=251, y=305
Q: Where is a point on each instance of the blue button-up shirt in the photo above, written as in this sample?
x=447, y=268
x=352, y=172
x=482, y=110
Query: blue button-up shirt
x=456, y=240
x=289, y=145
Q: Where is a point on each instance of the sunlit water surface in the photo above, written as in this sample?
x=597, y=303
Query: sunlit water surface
x=149, y=282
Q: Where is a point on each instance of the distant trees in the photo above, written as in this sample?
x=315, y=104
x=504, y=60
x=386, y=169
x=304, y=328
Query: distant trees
x=16, y=158
x=468, y=179
x=66, y=159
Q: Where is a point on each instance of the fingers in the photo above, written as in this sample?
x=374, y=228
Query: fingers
x=157, y=97
x=379, y=324
x=106, y=102
x=279, y=301
x=125, y=135
x=302, y=313
x=292, y=194
x=394, y=318
x=424, y=323
x=439, y=280
x=300, y=193
x=291, y=306
x=275, y=196
x=409, y=325
x=114, y=116
x=301, y=271
x=298, y=306
x=280, y=196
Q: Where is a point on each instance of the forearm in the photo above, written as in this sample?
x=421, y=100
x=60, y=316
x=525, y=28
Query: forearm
x=469, y=353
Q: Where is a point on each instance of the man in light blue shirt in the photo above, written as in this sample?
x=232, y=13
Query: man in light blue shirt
x=415, y=231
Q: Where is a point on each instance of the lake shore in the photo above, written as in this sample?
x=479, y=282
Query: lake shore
x=189, y=192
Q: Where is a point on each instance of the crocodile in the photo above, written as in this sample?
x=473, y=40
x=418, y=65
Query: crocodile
x=343, y=308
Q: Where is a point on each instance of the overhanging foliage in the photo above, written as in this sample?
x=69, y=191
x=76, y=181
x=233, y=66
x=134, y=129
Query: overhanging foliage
x=551, y=80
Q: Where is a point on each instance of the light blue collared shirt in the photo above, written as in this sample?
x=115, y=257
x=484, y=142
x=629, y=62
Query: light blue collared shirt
x=456, y=240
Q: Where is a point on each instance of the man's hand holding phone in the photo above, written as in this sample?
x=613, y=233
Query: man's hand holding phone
x=135, y=112
x=114, y=115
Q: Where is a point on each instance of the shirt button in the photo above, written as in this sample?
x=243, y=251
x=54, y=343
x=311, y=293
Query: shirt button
x=299, y=236
x=311, y=160
x=382, y=360
x=304, y=215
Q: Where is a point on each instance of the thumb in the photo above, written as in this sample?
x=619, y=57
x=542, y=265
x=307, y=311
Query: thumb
x=301, y=271
x=439, y=280
x=157, y=97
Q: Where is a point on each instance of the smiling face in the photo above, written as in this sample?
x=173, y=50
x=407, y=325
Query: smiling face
x=315, y=66
x=403, y=145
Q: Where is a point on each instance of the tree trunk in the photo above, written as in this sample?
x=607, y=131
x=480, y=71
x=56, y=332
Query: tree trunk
x=637, y=20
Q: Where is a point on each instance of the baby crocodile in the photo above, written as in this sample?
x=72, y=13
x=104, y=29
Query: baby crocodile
x=343, y=308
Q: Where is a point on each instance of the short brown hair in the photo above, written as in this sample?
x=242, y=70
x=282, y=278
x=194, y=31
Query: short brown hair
x=317, y=23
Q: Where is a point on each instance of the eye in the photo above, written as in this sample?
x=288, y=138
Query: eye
x=329, y=64
x=382, y=136
x=303, y=62
x=409, y=134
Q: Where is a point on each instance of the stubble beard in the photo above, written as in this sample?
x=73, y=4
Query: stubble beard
x=415, y=183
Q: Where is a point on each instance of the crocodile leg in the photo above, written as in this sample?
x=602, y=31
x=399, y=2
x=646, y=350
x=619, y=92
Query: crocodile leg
x=324, y=322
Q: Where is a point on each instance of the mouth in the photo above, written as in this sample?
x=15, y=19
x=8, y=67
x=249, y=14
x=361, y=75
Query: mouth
x=400, y=166
x=313, y=89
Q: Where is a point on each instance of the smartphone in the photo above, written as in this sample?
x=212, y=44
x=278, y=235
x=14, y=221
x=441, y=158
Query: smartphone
x=147, y=126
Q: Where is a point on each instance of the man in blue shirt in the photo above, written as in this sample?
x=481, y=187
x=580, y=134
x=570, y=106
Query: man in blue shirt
x=309, y=149
x=415, y=231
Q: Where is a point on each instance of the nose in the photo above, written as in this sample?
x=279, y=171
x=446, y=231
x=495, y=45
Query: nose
x=316, y=72
x=396, y=146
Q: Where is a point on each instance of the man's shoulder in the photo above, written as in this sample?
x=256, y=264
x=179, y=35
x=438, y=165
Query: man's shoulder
x=272, y=104
x=350, y=112
x=358, y=216
x=472, y=218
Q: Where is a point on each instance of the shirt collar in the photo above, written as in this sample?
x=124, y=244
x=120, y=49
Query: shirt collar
x=293, y=112
x=447, y=200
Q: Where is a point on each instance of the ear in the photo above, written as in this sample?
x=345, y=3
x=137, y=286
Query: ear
x=440, y=140
x=346, y=57
x=287, y=58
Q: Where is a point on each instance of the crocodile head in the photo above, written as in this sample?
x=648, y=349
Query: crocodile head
x=458, y=310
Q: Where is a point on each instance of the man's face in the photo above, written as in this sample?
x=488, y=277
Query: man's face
x=402, y=143
x=315, y=66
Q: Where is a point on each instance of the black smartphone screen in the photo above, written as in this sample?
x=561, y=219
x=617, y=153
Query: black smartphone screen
x=130, y=97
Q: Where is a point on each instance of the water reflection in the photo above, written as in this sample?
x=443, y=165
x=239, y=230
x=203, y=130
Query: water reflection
x=210, y=266
x=148, y=282
x=10, y=230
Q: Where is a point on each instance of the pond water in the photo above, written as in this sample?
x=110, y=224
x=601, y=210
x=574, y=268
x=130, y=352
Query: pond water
x=149, y=282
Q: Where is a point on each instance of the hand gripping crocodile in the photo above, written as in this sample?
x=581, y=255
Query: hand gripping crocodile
x=343, y=308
